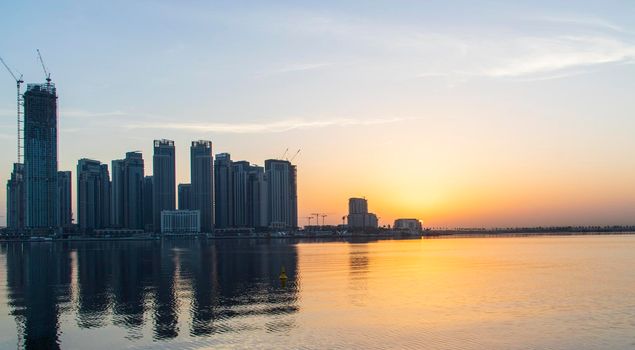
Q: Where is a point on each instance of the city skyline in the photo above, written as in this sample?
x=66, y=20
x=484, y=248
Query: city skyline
x=515, y=116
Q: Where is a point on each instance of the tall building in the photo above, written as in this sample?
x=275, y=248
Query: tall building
x=223, y=191
x=185, y=197
x=357, y=206
x=147, y=204
x=64, y=194
x=127, y=192
x=16, y=198
x=257, y=197
x=240, y=192
x=133, y=191
x=40, y=156
x=93, y=195
x=163, y=181
x=202, y=180
x=116, y=193
x=282, y=195
x=358, y=215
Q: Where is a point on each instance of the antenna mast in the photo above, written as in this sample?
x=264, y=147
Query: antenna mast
x=19, y=103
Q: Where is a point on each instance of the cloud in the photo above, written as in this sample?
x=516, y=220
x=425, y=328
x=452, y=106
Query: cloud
x=266, y=127
x=580, y=42
x=529, y=56
x=586, y=21
x=78, y=113
x=298, y=67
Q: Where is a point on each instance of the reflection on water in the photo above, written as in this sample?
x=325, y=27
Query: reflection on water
x=134, y=284
x=468, y=293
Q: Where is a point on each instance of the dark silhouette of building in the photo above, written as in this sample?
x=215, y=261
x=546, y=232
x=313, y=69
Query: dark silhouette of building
x=281, y=194
x=257, y=197
x=185, y=197
x=64, y=194
x=127, y=191
x=202, y=180
x=116, y=193
x=240, y=192
x=249, y=194
x=40, y=157
x=164, y=180
x=16, y=198
x=223, y=191
x=147, y=203
x=93, y=195
x=358, y=215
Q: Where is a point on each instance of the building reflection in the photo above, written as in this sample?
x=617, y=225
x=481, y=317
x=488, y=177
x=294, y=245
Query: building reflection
x=358, y=271
x=149, y=288
x=38, y=285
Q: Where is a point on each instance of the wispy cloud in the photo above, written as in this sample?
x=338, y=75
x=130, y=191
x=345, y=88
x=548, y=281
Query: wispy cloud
x=529, y=56
x=79, y=113
x=587, y=21
x=265, y=127
x=296, y=67
x=577, y=43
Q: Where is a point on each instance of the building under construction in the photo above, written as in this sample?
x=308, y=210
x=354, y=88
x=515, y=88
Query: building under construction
x=40, y=156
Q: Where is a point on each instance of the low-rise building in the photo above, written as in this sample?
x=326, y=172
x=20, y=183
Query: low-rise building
x=413, y=225
x=180, y=222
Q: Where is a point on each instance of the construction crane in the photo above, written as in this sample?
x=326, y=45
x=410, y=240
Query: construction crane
x=317, y=218
x=294, y=155
x=18, y=83
x=285, y=153
x=46, y=73
x=323, y=216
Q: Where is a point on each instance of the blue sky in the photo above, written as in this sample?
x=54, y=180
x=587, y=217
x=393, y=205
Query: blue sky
x=538, y=92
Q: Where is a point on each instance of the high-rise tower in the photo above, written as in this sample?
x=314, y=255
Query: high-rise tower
x=282, y=194
x=16, y=198
x=64, y=195
x=223, y=191
x=202, y=180
x=93, y=195
x=164, y=180
x=40, y=156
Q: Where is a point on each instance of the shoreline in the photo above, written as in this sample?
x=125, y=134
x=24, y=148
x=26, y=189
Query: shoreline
x=431, y=235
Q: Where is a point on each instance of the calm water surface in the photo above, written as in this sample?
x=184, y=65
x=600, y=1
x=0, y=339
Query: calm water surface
x=464, y=293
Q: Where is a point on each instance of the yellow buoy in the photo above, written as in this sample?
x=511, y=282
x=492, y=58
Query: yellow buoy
x=283, y=277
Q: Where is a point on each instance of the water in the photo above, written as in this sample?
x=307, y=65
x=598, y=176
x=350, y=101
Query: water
x=465, y=293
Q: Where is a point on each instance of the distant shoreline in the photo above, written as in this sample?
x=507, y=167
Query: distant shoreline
x=424, y=235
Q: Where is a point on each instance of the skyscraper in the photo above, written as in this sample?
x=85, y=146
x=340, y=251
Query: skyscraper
x=281, y=193
x=202, y=179
x=257, y=197
x=93, y=195
x=116, y=193
x=223, y=191
x=164, y=180
x=240, y=192
x=64, y=194
x=16, y=198
x=127, y=192
x=40, y=156
x=147, y=203
x=133, y=191
x=185, y=197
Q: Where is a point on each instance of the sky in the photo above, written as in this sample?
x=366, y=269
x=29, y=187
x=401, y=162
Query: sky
x=459, y=113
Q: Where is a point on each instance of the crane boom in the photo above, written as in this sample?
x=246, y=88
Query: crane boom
x=295, y=155
x=18, y=82
x=46, y=73
x=11, y=72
